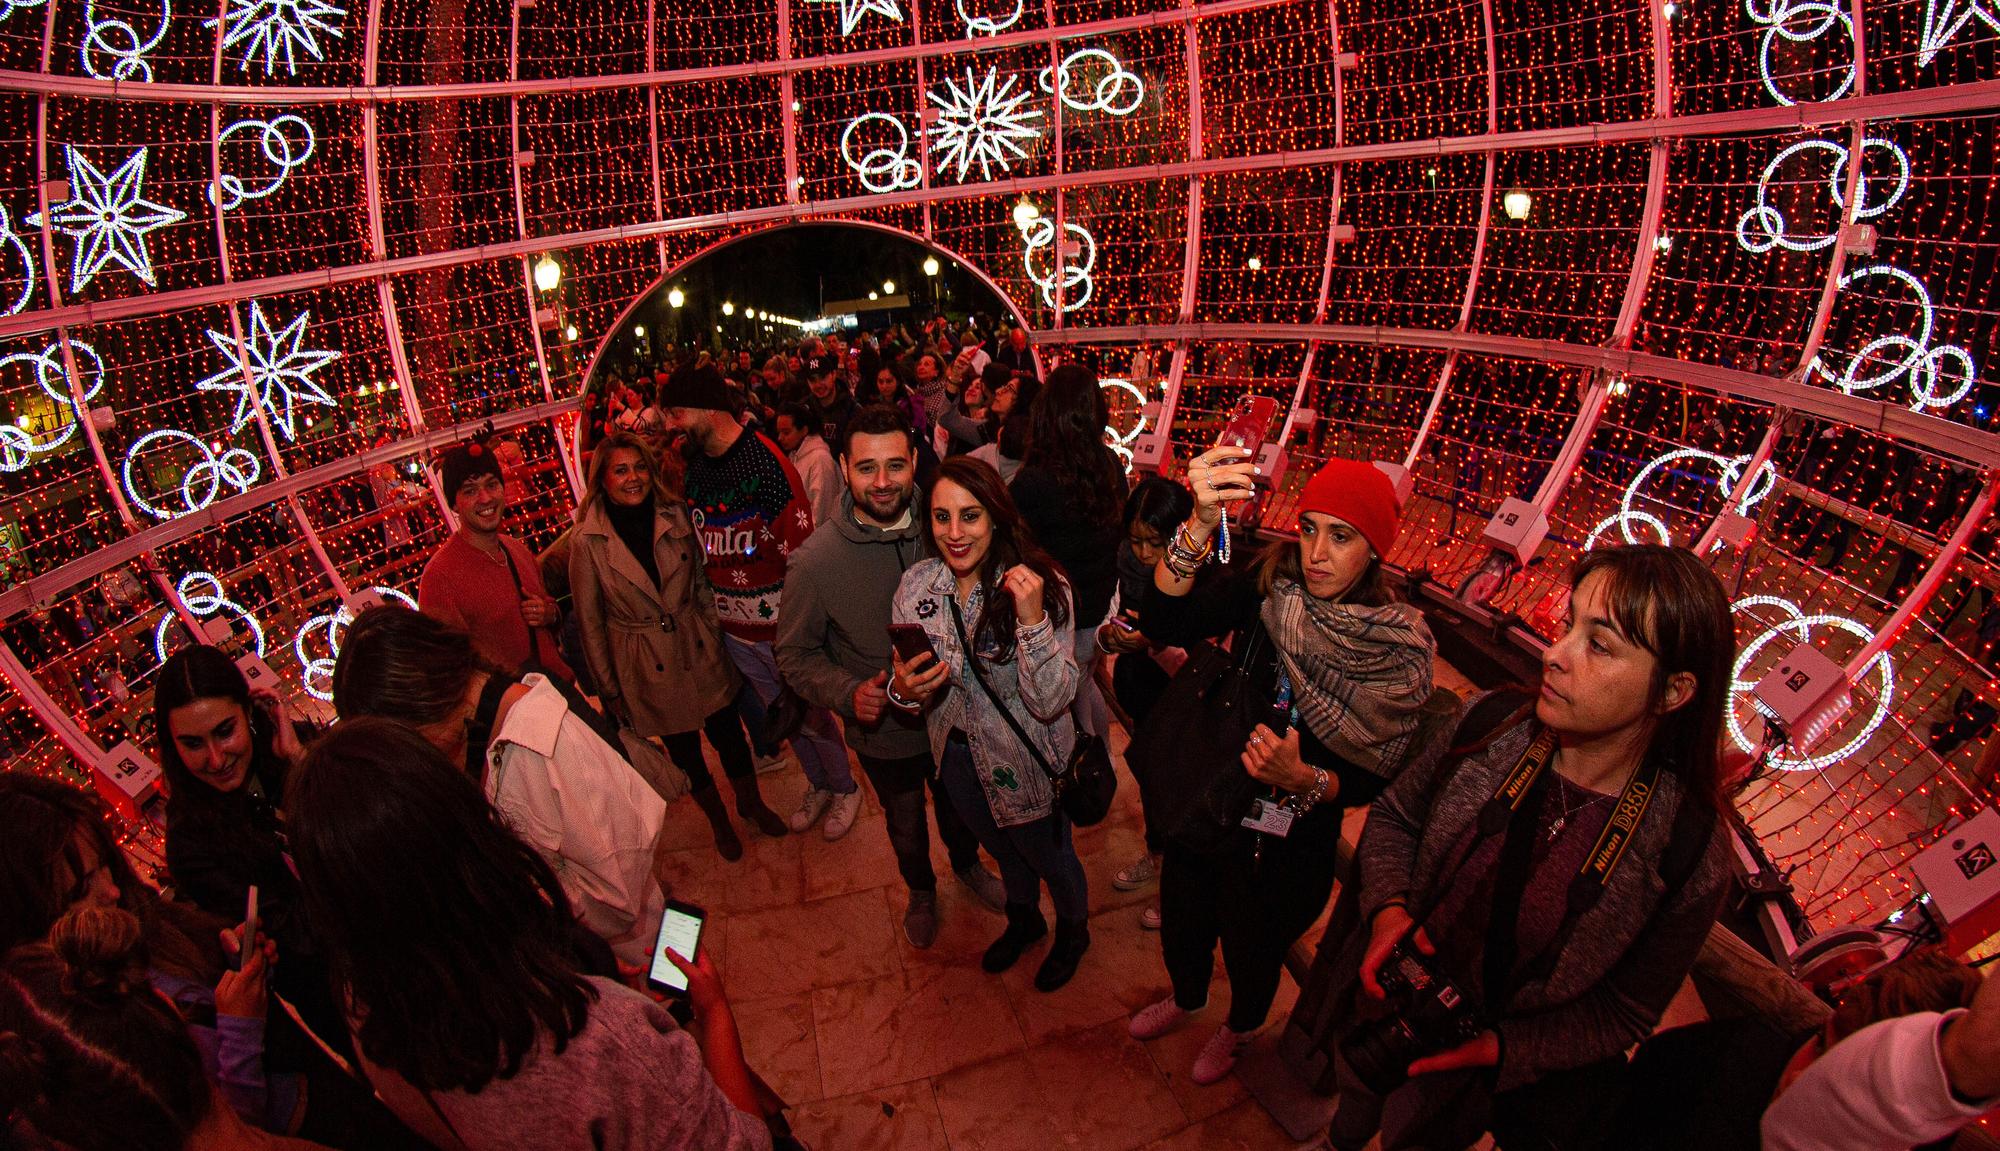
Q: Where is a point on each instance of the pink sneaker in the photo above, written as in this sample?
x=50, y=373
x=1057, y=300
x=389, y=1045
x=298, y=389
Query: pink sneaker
x=1218, y=1056
x=1156, y=1020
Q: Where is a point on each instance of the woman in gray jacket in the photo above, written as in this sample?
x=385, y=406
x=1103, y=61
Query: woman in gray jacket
x=990, y=589
x=650, y=633
x=1562, y=869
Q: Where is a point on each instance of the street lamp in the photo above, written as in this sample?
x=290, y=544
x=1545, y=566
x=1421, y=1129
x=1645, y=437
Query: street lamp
x=639, y=331
x=1025, y=213
x=548, y=274
x=570, y=332
x=728, y=308
x=930, y=266
x=1516, y=204
x=676, y=297
x=888, y=287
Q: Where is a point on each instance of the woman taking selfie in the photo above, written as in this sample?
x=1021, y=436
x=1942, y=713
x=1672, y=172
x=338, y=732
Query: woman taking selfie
x=1562, y=869
x=471, y=1019
x=996, y=612
x=1335, y=671
x=651, y=638
x=563, y=789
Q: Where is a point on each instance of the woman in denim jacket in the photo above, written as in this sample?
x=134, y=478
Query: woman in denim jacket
x=987, y=580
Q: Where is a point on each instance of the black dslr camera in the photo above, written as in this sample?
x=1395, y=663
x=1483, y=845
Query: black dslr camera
x=1427, y=1014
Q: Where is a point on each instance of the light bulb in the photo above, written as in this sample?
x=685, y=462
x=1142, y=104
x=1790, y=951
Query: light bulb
x=930, y=266
x=676, y=297
x=1516, y=204
x=548, y=274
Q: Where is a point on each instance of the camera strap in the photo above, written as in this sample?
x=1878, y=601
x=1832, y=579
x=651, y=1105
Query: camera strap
x=1508, y=811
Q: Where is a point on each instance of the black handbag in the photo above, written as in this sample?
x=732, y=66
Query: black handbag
x=1085, y=790
x=1187, y=754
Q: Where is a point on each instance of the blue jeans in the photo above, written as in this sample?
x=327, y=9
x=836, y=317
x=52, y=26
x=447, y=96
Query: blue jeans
x=818, y=745
x=1029, y=854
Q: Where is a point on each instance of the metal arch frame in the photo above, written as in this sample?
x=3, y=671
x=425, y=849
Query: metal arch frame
x=788, y=117
x=571, y=475
x=378, y=243
x=1478, y=262
x=271, y=449
x=1332, y=221
x=1170, y=400
x=653, y=126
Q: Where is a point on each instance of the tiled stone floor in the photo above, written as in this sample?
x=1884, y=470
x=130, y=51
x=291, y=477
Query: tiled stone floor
x=881, y=1047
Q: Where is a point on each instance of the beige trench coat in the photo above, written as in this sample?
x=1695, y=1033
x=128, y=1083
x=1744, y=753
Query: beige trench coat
x=659, y=649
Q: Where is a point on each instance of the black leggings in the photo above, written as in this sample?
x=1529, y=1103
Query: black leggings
x=725, y=734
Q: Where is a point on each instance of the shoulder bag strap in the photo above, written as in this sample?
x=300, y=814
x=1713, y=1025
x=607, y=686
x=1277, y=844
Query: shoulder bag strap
x=972, y=663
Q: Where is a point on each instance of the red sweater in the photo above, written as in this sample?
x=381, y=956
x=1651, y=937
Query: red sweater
x=474, y=592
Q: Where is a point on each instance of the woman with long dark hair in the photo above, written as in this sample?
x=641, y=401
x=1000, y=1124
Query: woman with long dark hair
x=58, y=857
x=998, y=617
x=555, y=781
x=1338, y=671
x=449, y=942
x=1071, y=489
x=651, y=638
x=1563, y=869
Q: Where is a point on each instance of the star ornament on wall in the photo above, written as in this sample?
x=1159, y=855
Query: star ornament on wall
x=278, y=29
x=981, y=123
x=279, y=372
x=108, y=217
x=852, y=12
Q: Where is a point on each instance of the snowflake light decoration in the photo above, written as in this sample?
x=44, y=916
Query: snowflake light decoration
x=108, y=217
x=279, y=29
x=852, y=12
x=981, y=123
x=279, y=376
x=1944, y=19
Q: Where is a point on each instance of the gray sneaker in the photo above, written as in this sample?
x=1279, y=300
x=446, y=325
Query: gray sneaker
x=984, y=885
x=920, y=921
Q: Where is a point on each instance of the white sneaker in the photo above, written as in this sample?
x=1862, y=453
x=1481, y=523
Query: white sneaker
x=811, y=807
x=1136, y=875
x=840, y=816
x=1156, y=1020
x=1218, y=1055
x=1150, y=918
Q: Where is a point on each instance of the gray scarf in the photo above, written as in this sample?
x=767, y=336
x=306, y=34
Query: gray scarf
x=1360, y=675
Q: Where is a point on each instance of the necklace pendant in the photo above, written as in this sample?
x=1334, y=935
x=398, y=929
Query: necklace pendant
x=1555, y=829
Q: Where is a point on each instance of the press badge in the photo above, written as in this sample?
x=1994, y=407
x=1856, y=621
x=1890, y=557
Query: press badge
x=1269, y=818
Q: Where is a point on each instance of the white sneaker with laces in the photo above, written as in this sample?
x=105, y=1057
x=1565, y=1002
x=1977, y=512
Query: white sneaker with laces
x=1136, y=874
x=1218, y=1055
x=811, y=807
x=840, y=815
x=1156, y=1020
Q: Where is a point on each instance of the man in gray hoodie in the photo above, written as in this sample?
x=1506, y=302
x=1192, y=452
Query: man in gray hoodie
x=833, y=647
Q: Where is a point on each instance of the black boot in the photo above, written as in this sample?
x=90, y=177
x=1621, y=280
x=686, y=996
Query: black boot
x=750, y=805
x=1024, y=925
x=1072, y=940
x=710, y=802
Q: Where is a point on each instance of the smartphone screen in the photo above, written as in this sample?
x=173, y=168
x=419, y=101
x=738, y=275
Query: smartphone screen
x=248, y=943
x=910, y=641
x=680, y=932
x=1249, y=422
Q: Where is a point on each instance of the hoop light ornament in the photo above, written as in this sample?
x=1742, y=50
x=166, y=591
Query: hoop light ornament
x=11, y=242
x=1798, y=628
x=1121, y=442
x=203, y=595
x=319, y=669
x=887, y=167
x=19, y=448
x=1801, y=22
x=1040, y=233
x=286, y=142
x=232, y=467
x=1927, y=367
x=1729, y=470
x=112, y=48
x=989, y=25
x=1118, y=91
x=1769, y=225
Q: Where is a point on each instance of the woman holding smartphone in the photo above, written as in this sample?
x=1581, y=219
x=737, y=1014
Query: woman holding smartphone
x=998, y=616
x=1340, y=670
x=470, y=1016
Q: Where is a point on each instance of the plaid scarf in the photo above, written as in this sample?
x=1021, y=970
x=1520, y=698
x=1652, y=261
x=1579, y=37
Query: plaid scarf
x=1360, y=675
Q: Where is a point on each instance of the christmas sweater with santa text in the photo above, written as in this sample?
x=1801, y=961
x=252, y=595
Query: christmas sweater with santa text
x=751, y=512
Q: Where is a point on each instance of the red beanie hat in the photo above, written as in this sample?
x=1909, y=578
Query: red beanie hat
x=1359, y=493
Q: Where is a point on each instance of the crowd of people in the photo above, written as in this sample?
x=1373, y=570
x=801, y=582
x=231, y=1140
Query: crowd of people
x=431, y=924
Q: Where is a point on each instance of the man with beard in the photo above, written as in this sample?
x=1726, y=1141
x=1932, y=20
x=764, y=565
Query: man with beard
x=833, y=645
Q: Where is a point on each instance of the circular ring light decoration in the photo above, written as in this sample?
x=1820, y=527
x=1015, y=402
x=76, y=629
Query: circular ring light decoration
x=113, y=48
x=886, y=167
x=1764, y=227
x=1118, y=91
x=202, y=594
x=1729, y=470
x=318, y=680
x=232, y=467
x=989, y=25
x=286, y=142
x=1910, y=356
x=1798, y=627
x=1073, y=266
x=18, y=446
x=1801, y=22
x=1119, y=442
x=11, y=244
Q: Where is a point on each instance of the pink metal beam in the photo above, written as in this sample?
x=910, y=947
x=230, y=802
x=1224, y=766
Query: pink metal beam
x=1332, y=222
x=1170, y=400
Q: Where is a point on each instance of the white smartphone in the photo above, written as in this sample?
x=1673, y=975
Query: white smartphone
x=248, y=943
x=680, y=932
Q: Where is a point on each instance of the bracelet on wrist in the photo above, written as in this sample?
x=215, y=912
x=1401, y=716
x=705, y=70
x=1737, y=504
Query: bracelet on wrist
x=897, y=699
x=1304, y=801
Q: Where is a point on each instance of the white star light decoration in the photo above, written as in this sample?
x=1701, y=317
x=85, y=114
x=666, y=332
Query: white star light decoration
x=981, y=123
x=852, y=12
x=108, y=217
x=279, y=376
x=278, y=29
